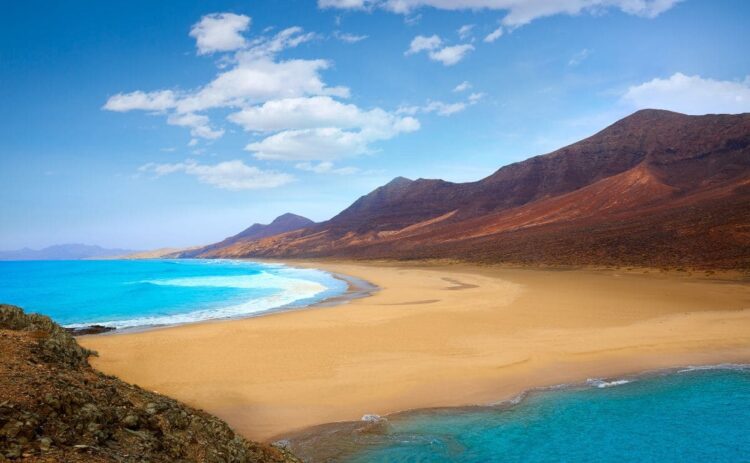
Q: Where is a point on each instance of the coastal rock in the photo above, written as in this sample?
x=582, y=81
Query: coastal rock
x=55, y=407
x=91, y=329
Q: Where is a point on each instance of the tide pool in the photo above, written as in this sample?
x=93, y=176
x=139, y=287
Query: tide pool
x=136, y=293
x=693, y=416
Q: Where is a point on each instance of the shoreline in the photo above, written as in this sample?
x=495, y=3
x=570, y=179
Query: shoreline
x=331, y=441
x=403, y=349
x=355, y=288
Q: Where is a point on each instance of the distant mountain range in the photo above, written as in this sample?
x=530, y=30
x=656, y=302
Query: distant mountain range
x=64, y=252
x=654, y=189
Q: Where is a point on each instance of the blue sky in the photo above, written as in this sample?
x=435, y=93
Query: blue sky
x=145, y=124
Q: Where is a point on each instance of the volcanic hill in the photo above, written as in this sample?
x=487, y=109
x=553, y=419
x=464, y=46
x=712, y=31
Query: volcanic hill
x=655, y=189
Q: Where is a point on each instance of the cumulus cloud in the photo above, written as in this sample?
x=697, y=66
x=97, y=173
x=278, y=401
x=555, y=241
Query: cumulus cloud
x=318, y=137
x=691, y=95
x=145, y=101
x=199, y=125
x=423, y=43
x=448, y=55
x=286, y=101
x=229, y=175
x=220, y=32
x=494, y=35
x=317, y=128
x=518, y=12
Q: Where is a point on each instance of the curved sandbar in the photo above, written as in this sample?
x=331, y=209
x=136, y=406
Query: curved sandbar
x=433, y=336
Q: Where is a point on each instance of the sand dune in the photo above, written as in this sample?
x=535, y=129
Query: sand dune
x=433, y=336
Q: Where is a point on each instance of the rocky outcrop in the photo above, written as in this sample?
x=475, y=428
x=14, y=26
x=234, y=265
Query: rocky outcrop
x=54, y=407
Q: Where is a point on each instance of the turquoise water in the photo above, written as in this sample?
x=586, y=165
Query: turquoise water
x=133, y=293
x=695, y=416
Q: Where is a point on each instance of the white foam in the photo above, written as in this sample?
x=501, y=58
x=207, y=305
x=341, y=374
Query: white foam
x=290, y=289
x=719, y=366
x=600, y=383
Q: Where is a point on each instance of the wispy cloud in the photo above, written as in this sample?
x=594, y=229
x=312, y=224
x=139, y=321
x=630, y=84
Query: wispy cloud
x=349, y=38
x=518, y=12
x=494, y=35
x=229, y=175
x=579, y=57
x=326, y=168
x=433, y=45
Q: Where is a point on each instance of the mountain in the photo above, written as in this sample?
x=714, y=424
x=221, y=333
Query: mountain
x=55, y=408
x=657, y=189
x=281, y=224
x=63, y=252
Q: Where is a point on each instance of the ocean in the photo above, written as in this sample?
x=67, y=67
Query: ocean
x=140, y=293
x=695, y=415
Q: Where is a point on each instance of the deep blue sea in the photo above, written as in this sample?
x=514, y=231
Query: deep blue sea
x=136, y=293
x=692, y=416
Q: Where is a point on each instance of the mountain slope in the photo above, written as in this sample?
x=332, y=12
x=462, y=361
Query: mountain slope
x=55, y=408
x=281, y=224
x=654, y=189
x=63, y=252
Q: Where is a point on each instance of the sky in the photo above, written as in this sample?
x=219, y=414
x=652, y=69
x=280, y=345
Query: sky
x=140, y=124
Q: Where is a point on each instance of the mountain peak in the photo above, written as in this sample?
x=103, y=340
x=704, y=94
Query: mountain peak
x=289, y=217
x=398, y=182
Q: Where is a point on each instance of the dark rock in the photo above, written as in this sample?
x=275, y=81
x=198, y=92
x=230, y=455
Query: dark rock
x=91, y=329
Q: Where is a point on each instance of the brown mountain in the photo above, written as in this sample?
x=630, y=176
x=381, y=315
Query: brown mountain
x=281, y=224
x=656, y=188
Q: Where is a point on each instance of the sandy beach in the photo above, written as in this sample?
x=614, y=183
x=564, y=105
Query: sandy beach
x=433, y=335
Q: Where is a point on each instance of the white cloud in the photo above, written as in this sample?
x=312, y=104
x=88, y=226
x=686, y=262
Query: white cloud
x=229, y=175
x=310, y=138
x=286, y=100
x=260, y=80
x=450, y=55
x=344, y=4
x=518, y=12
x=318, y=128
x=199, y=125
x=464, y=31
x=462, y=87
x=494, y=35
x=579, y=57
x=326, y=168
x=423, y=43
x=691, y=95
x=444, y=109
x=441, y=108
x=349, y=38
x=301, y=113
x=138, y=100
x=220, y=32
x=254, y=75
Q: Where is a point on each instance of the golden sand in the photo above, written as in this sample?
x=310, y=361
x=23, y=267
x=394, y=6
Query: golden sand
x=433, y=336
